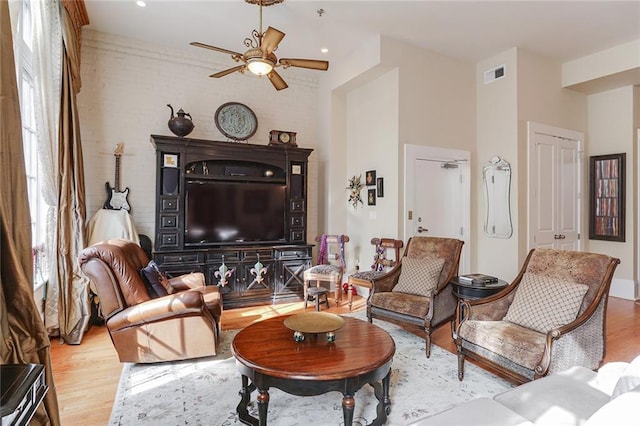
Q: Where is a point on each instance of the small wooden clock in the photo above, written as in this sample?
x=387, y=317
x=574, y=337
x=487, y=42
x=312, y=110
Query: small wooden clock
x=281, y=137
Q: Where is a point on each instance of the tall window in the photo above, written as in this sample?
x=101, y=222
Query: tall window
x=37, y=206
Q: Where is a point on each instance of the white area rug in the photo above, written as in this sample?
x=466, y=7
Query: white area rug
x=205, y=391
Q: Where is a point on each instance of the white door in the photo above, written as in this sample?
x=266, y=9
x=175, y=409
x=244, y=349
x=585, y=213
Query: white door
x=555, y=187
x=438, y=195
x=438, y=203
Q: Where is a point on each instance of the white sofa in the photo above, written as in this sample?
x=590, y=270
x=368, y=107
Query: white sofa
x=575, y=397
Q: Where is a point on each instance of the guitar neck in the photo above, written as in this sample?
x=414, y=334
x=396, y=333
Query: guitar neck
x=117, y=178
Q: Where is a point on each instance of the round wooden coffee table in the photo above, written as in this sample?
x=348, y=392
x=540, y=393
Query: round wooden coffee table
x=267, y=354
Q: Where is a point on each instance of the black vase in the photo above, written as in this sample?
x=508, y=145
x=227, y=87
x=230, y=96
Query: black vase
x=180, y=125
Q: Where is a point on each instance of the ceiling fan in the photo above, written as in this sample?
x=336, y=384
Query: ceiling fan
x=259, y=58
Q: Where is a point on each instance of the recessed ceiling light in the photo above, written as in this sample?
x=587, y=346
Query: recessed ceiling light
x=141, y=3
x=324, y=50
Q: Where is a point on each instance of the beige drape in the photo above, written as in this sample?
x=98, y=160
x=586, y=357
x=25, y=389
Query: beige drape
x=23, y=338
x=73, y=286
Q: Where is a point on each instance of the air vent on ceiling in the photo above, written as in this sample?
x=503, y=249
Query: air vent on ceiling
x=494, y=74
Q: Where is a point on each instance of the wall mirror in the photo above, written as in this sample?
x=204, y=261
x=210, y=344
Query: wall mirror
x=496, y=179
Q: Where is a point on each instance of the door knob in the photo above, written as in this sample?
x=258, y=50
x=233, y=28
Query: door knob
x=421, y=229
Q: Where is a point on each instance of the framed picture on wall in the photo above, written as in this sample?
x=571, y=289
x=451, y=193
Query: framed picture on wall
x=607, y=197
x=371, y=197
x=380, y=187
x=370, y=178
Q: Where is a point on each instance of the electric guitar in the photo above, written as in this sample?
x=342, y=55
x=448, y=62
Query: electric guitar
x=116, y=199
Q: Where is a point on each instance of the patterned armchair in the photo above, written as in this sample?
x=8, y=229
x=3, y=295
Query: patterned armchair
x=550, y=318
x=417, y=290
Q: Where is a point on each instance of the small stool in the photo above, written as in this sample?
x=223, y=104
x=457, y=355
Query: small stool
x=317, y=294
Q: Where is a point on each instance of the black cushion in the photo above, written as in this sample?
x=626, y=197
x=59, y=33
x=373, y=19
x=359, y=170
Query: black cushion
x=155, y=280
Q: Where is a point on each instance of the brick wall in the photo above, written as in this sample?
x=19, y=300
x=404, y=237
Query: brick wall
x=126, y=85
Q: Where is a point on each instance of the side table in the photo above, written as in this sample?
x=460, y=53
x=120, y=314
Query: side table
x=469, y=291
x=23, y=389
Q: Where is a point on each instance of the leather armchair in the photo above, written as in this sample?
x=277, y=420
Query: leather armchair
x=546, y=327
x=181, y=325
x=425, y=311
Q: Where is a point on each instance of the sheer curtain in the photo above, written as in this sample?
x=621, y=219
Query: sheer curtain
x=23, y=337
x=47, y=62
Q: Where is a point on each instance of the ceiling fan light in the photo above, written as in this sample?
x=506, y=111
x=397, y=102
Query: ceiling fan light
x=260, y=66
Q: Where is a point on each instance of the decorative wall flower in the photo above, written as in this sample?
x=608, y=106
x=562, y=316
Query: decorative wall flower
x=355, y=186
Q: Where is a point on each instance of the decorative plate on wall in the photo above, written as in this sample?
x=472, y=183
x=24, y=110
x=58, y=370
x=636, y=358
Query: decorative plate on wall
x=236, y=121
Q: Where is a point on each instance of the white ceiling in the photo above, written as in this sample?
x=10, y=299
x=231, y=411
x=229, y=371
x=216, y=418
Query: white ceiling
x=466, y=30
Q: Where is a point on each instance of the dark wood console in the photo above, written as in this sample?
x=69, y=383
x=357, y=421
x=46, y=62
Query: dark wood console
x=262, y=271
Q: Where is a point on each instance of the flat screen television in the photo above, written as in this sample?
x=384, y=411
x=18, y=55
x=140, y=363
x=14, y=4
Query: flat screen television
x=234, y=212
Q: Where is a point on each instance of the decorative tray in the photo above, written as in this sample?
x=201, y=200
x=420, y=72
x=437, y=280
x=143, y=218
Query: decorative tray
x=314, y=323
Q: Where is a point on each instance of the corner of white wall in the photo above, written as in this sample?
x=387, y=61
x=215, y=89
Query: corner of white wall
x=624, y=289
x=126, y=85
x=602, y=64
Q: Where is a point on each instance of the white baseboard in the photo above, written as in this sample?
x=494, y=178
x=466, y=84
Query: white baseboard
x=624, y=289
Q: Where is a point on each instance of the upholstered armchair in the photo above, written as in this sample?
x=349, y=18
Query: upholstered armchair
x=417, y=290
x=550, y=318
x=147, y=322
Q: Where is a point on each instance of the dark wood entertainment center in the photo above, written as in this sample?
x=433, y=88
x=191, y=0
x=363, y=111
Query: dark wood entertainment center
x=183, y=160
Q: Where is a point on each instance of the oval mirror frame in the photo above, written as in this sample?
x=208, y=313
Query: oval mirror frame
x=496, y=179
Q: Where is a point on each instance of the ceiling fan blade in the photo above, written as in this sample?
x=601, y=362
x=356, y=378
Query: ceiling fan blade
x=305, y=63
x=271, y=39
x=217, y=49
x=226, y=72
x=277, y=81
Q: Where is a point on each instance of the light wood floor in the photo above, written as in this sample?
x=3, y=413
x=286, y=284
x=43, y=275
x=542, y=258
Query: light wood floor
x=86, y=376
